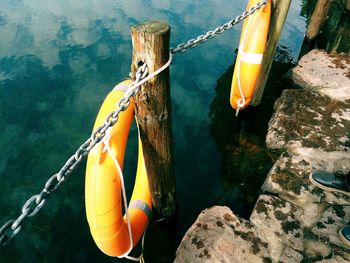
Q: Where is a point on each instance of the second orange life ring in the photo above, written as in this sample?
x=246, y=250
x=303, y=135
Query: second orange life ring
x=250, y=54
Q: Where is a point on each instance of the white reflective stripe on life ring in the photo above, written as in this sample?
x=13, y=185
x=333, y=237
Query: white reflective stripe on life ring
x=139, y=204
x=250, y=57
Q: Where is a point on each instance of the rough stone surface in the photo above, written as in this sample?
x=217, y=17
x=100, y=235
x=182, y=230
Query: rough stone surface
x=220, y=236
x=274, y=233
x=327, y=74
x=330, y=221
x=280, y=217
x=293, y=220
x=310, y=120
x=289, y=179
x=312, y=130
x=290, y=255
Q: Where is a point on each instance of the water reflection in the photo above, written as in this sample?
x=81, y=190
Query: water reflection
x=58, y=60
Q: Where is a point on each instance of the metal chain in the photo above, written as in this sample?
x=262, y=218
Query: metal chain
x=212, y=33
x=33, y=205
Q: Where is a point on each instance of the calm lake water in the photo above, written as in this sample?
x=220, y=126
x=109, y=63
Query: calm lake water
x=58, y=61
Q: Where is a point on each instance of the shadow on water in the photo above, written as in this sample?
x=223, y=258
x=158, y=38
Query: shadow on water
x=241, y=140
x=245, y=161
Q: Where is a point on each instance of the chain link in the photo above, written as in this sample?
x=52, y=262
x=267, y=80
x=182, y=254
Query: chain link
x=212, y=33
x=33, y=205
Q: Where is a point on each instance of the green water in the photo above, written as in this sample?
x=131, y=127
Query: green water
x=58, y=61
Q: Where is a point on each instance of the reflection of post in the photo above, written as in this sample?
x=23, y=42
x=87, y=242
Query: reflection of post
x=153, y=110
x=318, y=17
x=338, y=41
x=278, y=18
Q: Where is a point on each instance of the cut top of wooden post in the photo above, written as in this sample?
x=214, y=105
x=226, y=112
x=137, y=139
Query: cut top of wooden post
x=153, y=27
x=145, y=36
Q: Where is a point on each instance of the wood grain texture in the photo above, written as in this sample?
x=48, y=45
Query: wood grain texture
x=153, y=111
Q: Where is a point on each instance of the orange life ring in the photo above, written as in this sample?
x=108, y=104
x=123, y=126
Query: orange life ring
x=250, y=54
x=103, y=199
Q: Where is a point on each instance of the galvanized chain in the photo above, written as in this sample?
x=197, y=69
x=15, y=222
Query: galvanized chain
x=33, y=205
x=212, y=33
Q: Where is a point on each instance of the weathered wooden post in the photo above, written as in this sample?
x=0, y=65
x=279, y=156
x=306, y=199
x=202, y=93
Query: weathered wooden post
x=153, y=110
x=318, y=17
x=278, y=18
x=347, y=7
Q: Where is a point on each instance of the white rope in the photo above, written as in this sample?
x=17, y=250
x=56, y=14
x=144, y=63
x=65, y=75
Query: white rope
x=121, y=177
x=140, y=258
x=125, y=201
x=241, y=101
x=155, y=73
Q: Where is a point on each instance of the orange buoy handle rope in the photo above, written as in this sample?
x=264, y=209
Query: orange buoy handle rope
x=250, y=53
x=112, y=232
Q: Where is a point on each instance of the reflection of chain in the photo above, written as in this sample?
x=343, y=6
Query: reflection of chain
x=36, y=202
x=212, y=33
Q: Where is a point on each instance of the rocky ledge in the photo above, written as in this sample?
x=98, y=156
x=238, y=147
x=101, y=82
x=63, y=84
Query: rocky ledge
x=292, y=221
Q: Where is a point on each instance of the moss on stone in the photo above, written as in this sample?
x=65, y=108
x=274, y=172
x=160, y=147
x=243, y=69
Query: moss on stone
x=304, y=162
x=255, y=241
x=261, y=208
x=267, y=260
x=339, y=210
x=320, y=225
x=287, y=180
x=228, y=217
x=197, y=242
x=278, y=234
x=280, y=215
x=290, y=226
x=298, y=114
x=248, y=225
x=278, y=203
x=220, y=224
x=206, y=254
x=330, y=221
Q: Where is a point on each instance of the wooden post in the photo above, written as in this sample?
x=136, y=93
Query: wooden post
x=278, y=18
x=347, y=7
x=153, y=111
x=317, y=19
